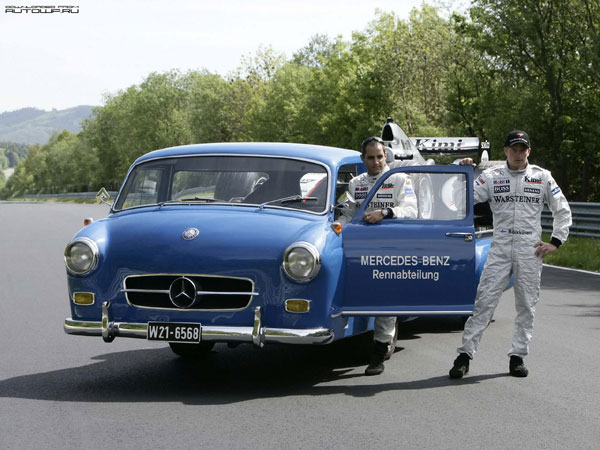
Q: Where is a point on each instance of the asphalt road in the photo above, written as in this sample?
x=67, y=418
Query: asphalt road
x=72, y=392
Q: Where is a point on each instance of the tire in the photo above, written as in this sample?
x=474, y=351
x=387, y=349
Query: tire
x=191, y=351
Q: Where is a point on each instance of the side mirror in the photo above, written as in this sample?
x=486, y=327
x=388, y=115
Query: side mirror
x=103, y=196
x=339, y=209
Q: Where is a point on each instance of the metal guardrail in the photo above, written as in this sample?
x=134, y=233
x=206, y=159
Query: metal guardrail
x=586, y=219
x=70, y=195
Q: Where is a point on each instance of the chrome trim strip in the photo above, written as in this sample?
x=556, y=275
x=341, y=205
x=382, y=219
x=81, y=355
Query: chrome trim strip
x=484, y=233
x=257, y=330
x=405, y=313
x=209, y=332
x=107, y=325
x=151, y=291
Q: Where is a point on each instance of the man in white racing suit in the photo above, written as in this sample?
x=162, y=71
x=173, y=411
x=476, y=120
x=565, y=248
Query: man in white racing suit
x=516, y=192
x=395, y=198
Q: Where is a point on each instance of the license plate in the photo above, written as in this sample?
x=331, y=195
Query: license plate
x=174, y=332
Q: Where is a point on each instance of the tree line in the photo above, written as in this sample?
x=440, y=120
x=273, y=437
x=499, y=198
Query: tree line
x=507, y=64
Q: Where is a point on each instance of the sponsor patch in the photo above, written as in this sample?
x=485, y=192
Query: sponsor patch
x=502, y=181
x=531, y=190
x=555, y=191
x=387, y=186
x=499, y=189
x=409, y=191
x=360, y=195
x=479, y=181
x=384, y=195
x=516, y=199
x=533, y=180
x=361, y=188
x=380, y=205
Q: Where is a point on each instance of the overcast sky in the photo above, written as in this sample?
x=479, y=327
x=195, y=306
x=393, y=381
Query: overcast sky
x=63, y=60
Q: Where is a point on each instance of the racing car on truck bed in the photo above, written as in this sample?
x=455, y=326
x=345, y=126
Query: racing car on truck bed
x=239, y=243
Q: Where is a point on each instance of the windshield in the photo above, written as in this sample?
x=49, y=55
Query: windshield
x=240, y=180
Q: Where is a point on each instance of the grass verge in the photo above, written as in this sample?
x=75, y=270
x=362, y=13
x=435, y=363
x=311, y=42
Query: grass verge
x=577, y=253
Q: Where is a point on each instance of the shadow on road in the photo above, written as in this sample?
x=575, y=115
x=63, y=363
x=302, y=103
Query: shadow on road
x=227, y=375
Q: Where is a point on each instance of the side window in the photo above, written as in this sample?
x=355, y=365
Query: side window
x=345, y=174
x=144, y=190
x=440, y=196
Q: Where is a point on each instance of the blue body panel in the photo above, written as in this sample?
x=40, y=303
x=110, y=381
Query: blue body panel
x=411, y=266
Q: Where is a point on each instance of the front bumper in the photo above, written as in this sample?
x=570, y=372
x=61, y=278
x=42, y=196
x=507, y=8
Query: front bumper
x=256, y=334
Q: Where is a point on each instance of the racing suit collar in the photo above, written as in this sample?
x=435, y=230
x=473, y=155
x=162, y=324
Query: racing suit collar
x=515, y=171
x=374, y=178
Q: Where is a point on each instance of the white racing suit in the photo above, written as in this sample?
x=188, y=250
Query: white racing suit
x=516, y=199
x=396, y=193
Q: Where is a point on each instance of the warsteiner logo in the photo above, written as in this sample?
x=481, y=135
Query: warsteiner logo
x=41, y=9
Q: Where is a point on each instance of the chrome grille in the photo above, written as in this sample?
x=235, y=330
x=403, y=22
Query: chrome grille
x=212, y=292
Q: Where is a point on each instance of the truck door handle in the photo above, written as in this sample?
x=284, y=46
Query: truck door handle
x=468, y=236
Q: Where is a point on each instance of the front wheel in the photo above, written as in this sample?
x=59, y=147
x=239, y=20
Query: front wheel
x=191, y=351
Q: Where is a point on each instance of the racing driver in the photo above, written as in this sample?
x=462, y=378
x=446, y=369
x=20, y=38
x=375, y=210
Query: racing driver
x=516, y=192
x=395, y=198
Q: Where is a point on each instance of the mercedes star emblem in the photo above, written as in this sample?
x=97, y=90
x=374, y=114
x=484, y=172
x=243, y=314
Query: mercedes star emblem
x=190, y=234
x=182, y=292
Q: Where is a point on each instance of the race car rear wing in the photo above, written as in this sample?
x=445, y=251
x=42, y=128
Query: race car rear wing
x=449, y=145
x=405, y=148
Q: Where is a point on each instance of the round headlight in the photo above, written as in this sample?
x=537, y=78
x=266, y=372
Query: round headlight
x=81, y=256
x=301, y=261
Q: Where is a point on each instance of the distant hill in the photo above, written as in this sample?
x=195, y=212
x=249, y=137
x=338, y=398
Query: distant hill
x=35, y=126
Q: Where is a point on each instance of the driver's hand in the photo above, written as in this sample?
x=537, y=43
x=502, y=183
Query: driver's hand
x=373, y=216
x=544, y=248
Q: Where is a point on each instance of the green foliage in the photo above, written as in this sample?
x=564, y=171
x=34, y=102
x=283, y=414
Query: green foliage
x=137, y=120
x=4, y=162
x=538, y=71
x=13, y=152
x=64, y=164
x=509, y=64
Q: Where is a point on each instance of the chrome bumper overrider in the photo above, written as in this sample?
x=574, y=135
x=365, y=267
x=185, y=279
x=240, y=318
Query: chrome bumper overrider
x=256, y=334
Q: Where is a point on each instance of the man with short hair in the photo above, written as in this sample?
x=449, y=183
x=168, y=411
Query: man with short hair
x=395, y=198
x=516, y=192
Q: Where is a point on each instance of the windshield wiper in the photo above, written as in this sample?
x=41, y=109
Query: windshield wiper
x=191, y=199
x=201, y=199
x=290, y=199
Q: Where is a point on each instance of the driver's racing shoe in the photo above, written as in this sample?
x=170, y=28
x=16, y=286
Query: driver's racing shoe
x=461, y=366
x=517, y=367
x=376, y=367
